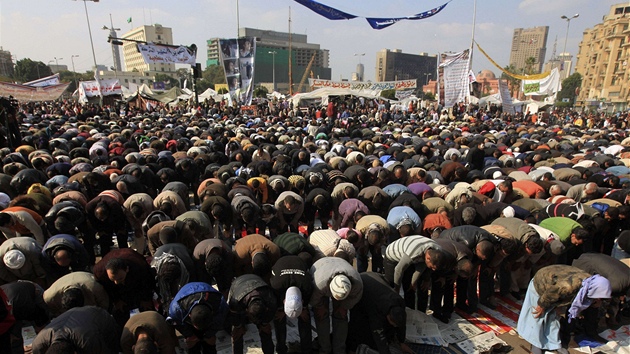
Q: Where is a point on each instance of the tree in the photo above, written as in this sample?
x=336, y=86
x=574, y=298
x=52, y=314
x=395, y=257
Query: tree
x=28, y=70
x=512, y=81
x=261, y=91
x=211, y=76
x=429, y=96
x=529, y=65
x=222, y=91
x=389, y=94
x=173, y=82
x=184, y=74
x=569, y=86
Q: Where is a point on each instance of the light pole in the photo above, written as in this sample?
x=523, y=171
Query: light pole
x=87, y=18
x=273, y=68
x=57, y=62
x=74, y=73
x=426, y=76
x=568, y=19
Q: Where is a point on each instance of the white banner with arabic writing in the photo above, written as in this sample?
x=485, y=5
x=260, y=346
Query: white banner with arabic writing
x=91, y=88
x=155, y=53
x=364, y=86
x=44, y=81
x=547, y=86
x=506, y=98
x=456, y=81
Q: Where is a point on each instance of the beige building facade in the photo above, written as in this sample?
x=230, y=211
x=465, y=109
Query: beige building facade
x=157, y=34
x=602, y=60
x=529, y=43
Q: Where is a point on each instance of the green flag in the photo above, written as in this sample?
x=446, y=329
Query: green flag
x=129, y=20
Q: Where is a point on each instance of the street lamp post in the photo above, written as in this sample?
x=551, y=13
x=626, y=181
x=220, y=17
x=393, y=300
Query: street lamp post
x=273, y=68
x=57, y=62
x=568, y=19
x=427, y=75
x=74, y=73
x=87, y=18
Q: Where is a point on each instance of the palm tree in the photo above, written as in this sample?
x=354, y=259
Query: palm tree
x=529, y=65
x=512, y=81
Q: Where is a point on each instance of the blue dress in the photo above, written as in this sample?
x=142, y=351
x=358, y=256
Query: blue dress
x=542, y=332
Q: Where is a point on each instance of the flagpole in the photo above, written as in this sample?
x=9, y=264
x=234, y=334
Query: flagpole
x=472, y=43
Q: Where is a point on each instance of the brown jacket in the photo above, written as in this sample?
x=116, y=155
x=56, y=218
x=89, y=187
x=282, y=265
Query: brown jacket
x=247, y=247
x=558, y=284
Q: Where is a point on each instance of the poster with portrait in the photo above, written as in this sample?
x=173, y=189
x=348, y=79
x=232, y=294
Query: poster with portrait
x=237, y=58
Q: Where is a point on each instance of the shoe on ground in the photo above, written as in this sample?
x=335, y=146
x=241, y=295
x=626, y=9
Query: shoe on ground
x=441, y=317
x=489, y=304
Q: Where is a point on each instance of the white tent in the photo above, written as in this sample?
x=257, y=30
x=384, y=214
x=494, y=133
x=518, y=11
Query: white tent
x=496, y=99
x=324, y=93
x=210, y=93
x=275, y=95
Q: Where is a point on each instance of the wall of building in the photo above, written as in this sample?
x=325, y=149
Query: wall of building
x=602, y=60
x=395, y=65
x=155, y=34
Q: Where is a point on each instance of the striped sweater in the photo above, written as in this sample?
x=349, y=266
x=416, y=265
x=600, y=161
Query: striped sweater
x=407, y=251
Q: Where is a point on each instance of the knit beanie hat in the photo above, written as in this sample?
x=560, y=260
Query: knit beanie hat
x=340, y=287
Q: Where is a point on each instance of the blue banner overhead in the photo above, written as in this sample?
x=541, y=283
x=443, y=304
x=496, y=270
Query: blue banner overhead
x=376, y=22
x=380, y=23
x=325, y=10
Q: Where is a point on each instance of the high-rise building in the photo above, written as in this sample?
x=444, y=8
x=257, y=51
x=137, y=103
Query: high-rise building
x=157, y=34
x=212, y=47
x=272, y=52
x=395, y=65
x=529, y=43
x=6, y=63
x=602, y=61
x=564, y=64
x=359, y=74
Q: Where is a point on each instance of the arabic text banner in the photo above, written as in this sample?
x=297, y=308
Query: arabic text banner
x=364, y=86
x=506, y=98
x=155, y=53
x=456, y=81
x=91, y=88
x=44, y=81
x=30, y=93
x=544, y=86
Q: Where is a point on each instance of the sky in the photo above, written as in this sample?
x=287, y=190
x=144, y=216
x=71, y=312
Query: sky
x=47, y=29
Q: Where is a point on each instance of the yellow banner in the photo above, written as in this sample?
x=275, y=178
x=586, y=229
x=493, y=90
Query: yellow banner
x=516, y=76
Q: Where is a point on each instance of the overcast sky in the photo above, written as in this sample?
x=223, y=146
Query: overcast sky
x=45, y=29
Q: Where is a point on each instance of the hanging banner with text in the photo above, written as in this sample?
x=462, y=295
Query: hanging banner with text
x=44, y=81
x=455, y=67
x=155, y=53
x=25, y=93
x=91, y=88
x=367, y=86
x=546, y=86
x=237, y=57
x=506, y=98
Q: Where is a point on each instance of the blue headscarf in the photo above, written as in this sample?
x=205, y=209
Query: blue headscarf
x=595, y=287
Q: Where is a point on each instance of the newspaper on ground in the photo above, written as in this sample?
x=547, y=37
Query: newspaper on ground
x=481, y=343
x=422, y=330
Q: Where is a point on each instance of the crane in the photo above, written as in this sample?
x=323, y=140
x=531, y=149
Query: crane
x=306, y=72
